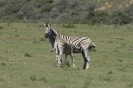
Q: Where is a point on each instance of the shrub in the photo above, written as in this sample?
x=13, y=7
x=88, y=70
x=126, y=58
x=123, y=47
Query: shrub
x=43, y=79
x=121, y=18
x=77, y=11
x=64, y=18
x=1, y=27
x=42, y=39
x=46, y=8
x=27, y=55
x=33, y=78
x=54, y=13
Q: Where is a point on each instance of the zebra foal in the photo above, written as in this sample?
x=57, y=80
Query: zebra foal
x=68, y=45
x=62, y=47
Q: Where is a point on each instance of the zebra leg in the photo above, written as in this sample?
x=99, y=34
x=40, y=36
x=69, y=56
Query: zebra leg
x=72, y=58
x=65, y=59
x=58, y=59
x=86, y=58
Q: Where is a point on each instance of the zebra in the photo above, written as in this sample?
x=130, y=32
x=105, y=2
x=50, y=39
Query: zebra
x=68, y=45
x=67, y=48
x=62, y=47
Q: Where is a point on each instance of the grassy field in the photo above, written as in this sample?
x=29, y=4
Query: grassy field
x=26, y=60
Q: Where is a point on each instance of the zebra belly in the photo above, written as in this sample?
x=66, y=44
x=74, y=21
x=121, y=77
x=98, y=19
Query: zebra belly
x=77, y=51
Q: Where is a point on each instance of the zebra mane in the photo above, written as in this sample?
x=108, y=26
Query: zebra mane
x=55, y=32
x=52, y=38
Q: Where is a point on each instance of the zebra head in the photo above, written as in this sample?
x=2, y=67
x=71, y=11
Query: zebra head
x=49, y=31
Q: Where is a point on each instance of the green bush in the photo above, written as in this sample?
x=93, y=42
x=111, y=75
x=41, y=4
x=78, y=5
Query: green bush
x=27, y=55
x=1, y=27
x=76, y=11
x=46, y=8
x=120, y=18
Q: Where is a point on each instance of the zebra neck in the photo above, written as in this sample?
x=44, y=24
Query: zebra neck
x=52, y=40
x=55, y=32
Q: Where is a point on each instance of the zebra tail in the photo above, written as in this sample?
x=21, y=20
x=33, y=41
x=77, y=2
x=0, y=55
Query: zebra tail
x=92, y=45
x=52, y=50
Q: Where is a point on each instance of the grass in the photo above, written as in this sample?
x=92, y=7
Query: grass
x=26, y=60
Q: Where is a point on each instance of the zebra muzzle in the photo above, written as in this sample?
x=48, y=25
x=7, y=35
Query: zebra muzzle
x=46, y=35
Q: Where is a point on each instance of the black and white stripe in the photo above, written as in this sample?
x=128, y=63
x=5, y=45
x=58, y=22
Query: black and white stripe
x=69, y=45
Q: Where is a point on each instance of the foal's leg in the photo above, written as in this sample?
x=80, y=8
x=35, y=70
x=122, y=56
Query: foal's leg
x=60, y=49
x=57, y=56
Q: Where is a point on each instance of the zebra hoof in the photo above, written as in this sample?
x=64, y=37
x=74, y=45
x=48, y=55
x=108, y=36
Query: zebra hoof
x=83, y=67
x=73, y=66
x=86, y=68
x=58, y=65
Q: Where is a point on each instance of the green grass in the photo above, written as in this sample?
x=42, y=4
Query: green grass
x=26, y=60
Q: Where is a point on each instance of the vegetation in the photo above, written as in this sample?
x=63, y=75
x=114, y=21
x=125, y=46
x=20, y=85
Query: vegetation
x=25, y=57
x=92, y=12
x=26, y=60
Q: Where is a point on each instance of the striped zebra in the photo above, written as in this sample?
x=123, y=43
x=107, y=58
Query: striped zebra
x=68, y=45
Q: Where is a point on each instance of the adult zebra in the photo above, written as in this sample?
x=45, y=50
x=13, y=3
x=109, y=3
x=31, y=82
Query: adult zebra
x=69, y=45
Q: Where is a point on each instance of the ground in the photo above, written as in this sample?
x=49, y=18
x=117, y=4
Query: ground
x=26, y=60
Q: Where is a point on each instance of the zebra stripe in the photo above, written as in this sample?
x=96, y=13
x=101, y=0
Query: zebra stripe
x=68, y=45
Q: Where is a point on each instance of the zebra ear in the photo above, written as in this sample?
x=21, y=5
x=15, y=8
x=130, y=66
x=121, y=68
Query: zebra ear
x=49, y=23
x=46, y=25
